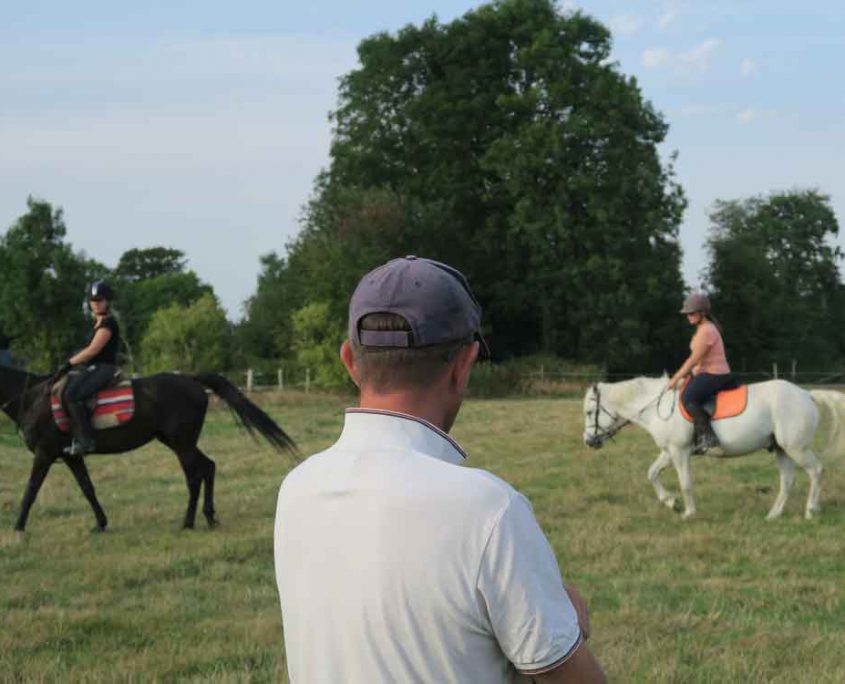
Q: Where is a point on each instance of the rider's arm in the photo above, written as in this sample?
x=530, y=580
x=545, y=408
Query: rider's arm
x=101, y=338
x=699, y=350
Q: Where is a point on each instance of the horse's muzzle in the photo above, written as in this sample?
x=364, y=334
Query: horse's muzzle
x=594, y=441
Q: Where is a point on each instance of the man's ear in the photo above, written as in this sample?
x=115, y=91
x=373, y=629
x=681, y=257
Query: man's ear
x=348, y=359
x=464, y=360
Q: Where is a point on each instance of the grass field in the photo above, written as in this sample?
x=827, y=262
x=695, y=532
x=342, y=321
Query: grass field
x=725, y=597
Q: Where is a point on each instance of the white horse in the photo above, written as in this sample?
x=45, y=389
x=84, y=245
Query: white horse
x=779, y=416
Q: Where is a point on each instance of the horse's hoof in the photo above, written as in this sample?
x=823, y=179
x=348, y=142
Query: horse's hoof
x=187, y=526
x=212, y=523
x=98, y=529
x=686, y=515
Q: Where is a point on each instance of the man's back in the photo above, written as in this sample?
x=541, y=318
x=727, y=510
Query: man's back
x=394, y=562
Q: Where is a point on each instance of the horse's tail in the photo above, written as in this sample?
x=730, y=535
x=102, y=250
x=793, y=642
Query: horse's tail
x=248, y=414
x=832, y=408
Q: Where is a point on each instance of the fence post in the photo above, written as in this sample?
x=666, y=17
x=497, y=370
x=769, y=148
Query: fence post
x=307, y=379
x=280, y=376
x=249, y=380
x=775, y=370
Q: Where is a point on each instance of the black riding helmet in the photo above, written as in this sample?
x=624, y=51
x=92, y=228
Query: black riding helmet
x=100, y=289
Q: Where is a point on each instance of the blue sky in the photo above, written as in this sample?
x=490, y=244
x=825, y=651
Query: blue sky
x=201, y=125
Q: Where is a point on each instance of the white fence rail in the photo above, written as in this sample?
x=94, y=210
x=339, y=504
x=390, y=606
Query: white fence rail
x=281, y=380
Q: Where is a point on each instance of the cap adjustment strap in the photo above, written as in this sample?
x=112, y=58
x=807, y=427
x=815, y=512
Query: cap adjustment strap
x=385, y=338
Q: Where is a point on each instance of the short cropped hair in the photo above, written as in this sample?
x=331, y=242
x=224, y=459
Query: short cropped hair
x=387, y=369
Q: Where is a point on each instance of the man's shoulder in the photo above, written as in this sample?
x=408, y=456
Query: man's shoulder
x=471, y=483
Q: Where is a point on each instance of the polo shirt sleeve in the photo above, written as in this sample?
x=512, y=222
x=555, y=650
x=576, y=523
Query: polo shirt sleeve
x=521, y=590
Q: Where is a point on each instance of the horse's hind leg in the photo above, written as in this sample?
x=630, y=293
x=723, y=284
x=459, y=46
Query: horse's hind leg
x=787, y=476
x=198, y=469
x=209, y=470
x=814, y=469
x=193, y=478
x=663, y=496
x=80, y=472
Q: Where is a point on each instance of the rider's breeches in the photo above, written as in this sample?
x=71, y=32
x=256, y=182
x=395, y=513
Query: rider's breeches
x=84, y=381
x=701, y=388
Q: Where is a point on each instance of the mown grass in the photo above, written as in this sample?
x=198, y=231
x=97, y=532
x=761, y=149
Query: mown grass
x=726, y=597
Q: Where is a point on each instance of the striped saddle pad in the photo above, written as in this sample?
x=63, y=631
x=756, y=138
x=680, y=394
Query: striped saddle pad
x=110, y=407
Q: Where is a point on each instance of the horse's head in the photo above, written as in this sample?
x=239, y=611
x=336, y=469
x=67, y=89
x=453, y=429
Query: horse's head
x=19, y=390
x=601, y=422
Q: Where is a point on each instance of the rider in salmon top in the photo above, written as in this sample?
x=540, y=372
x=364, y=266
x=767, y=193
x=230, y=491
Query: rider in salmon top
x=92, y=368
x=709, y=367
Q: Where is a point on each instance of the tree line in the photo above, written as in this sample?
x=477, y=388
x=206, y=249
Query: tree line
x=169, y=318
x=509, y=144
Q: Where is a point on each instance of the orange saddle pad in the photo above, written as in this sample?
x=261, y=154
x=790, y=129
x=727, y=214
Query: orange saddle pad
x=729, y=403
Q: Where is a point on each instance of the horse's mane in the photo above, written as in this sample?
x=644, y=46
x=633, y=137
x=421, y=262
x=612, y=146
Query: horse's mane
x=631, y=394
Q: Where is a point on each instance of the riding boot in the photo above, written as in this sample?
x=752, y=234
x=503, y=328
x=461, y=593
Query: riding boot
x=83, y=432
x=704, y=437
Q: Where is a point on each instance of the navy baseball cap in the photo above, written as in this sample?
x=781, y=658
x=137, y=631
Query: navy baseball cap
x=434, y=298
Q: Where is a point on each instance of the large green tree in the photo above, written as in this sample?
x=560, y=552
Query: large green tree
x=148, y=262
x=150, y=279
x=188, y=338
x=508, y=144
x=42, y=287
x=775, y=279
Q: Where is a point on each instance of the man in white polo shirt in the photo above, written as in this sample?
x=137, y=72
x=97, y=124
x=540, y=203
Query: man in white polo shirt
x=394, y=562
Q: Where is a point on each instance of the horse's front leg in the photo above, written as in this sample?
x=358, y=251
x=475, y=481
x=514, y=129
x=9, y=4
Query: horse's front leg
x=40, y=468
x=663, y=496
x=681, y=461
x=80, y=472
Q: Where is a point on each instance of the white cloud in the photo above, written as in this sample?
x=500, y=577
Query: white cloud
x=655, y=57
x=568, y=6
x=746, y=116
x=751, y=115
x=625, y=24
x=748, y=67
x=698, y=57
x=670, y=13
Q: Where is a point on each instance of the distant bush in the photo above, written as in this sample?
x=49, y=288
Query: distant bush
x=531, y=376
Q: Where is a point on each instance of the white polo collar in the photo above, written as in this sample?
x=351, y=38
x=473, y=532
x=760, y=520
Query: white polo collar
x=365, y=427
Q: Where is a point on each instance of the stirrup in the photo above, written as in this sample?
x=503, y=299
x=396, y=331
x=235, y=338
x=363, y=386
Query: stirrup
x=706, y=442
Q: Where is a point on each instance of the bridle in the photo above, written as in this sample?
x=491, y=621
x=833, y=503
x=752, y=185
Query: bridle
x=601, y=435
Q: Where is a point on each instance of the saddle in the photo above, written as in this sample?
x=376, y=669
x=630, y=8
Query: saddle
x=111, y=407
x=726, y=404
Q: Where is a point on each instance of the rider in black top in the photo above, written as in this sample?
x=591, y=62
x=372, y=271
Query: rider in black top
x=92, y=368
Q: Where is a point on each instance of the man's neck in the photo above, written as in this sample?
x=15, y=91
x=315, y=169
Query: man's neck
x=409, y=403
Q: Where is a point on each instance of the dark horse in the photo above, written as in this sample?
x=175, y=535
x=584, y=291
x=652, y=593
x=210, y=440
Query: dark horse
x=168, y=407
